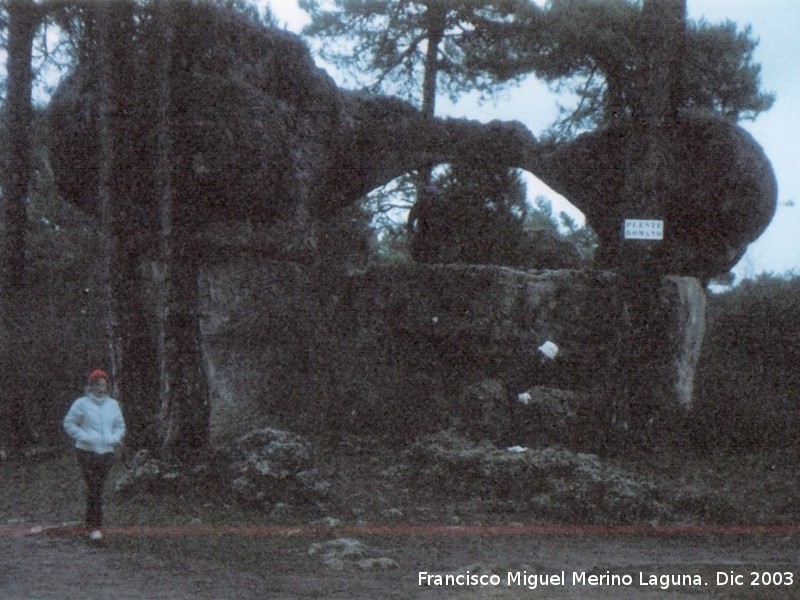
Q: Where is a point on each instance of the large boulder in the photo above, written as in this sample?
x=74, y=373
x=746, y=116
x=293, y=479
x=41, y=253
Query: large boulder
x=720, y=193
x=258, y=131
x=257, y=123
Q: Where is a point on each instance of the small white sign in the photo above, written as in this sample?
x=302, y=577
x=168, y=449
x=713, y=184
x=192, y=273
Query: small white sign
x=644, y=229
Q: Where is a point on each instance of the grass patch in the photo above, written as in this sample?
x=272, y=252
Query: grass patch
x=42, y=490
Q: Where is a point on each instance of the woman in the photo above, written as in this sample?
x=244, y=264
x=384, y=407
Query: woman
x=96, y=424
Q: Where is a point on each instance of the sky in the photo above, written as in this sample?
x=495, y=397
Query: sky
x=774, y=23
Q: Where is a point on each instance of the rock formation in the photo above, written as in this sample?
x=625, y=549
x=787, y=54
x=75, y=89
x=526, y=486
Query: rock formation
x=265, y=137
x=721, y=196
x=397, y=349
x=269, y=136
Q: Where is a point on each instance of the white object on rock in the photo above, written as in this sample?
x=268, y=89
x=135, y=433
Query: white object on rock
x=549, y=349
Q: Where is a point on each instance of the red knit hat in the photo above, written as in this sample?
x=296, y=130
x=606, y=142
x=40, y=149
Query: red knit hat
x=97, y=374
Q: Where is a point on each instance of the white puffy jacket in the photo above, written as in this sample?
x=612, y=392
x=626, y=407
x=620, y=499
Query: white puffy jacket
x=96, y=424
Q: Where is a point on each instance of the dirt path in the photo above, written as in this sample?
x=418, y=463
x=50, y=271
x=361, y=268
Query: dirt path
x=408, y=556
x=50, y=567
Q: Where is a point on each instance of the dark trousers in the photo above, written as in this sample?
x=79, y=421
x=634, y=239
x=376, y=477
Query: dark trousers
x=95, y=469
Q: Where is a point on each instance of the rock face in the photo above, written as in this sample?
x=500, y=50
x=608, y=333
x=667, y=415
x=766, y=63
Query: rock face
x=258, y=124
x=396, y=348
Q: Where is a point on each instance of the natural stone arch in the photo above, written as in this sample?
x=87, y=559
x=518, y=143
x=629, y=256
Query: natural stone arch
x=722, y=197
x=524, y=246
x=311, y=148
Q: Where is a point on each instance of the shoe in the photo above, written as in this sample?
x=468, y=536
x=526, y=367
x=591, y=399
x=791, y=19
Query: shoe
x=96, y=535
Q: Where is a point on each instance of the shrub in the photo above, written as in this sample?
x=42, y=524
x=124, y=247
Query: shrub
x=748, y=376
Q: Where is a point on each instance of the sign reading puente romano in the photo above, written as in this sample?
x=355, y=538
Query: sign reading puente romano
x=643, y=229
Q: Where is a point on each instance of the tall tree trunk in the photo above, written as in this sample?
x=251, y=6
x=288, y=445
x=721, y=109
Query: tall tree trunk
x=105, y=110
x=183, y=394
x=132, y=346
x=23, y=20
x=663, y=33
x=436, y=16
x=648, y=186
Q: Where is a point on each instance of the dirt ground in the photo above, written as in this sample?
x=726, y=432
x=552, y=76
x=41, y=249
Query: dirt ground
x=45, y=567
x=393, y=543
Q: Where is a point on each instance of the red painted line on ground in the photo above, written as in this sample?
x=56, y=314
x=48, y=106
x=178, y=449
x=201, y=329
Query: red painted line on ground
x=417, y=530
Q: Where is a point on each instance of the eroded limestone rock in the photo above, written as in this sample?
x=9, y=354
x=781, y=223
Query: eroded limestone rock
x=396, y=348
x=263, y=135
x=269, y=466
